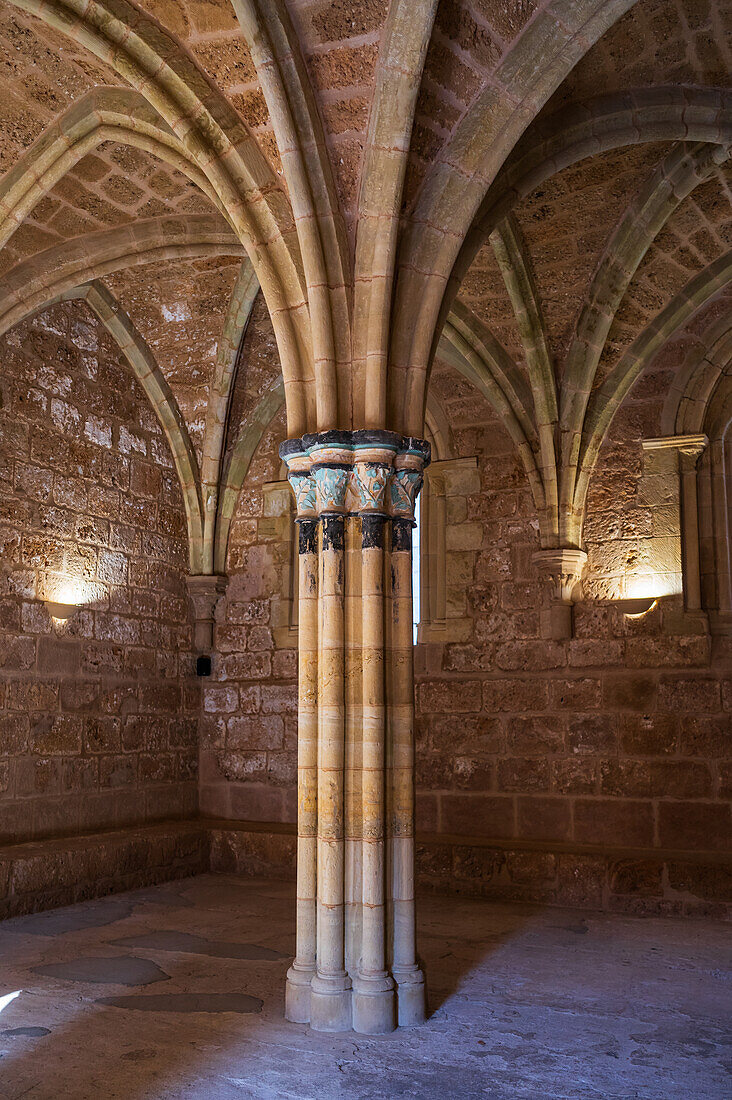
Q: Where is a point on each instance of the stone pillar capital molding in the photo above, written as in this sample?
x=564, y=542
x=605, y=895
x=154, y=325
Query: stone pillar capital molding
x=352, y=472
x=689, y=447
x=562, y=568
x=409, y=467
x=370, y=482
x=300, y=477
x=204, y=593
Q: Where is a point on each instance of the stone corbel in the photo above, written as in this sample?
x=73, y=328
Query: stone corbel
x=562, y=568
x=204, y=593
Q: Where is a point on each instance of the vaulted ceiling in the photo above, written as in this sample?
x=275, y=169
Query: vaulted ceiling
x=534, y=194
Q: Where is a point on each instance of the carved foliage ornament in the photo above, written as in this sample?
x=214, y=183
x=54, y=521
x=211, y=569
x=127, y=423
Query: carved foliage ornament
x=405, y=486
x=353, y=472
x=303, y=486
x=371, y=480
x=331, y=484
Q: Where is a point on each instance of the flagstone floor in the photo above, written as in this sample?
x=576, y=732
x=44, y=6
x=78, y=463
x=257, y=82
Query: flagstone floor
x=176, y=993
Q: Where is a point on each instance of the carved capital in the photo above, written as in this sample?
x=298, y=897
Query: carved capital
x=353, y=472
x=690, y=453
x=303, y=488
x=331, y=484
x=562, y=568
x=688, y=447
x=204, y=593
x=405, y=487
x=300, y=477
x=370, y=482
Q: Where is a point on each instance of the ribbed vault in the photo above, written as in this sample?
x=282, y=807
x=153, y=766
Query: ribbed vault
x=460, y=137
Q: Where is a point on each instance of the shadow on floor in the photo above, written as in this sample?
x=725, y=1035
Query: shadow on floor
x=525, y=1002
x=139, y=1043
x=452, y=950
x=213, y=998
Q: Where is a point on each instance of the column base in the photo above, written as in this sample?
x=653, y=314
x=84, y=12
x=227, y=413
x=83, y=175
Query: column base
x=330, y=1003
x=411, y=995
x=374, y=1007
x=297, y=995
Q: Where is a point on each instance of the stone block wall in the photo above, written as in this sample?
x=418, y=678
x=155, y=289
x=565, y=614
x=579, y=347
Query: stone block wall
x=99, y=713
x=45, y=874
x=249, y=718
x=595, y=771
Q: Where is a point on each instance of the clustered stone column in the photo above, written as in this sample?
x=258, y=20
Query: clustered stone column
x=355, y=964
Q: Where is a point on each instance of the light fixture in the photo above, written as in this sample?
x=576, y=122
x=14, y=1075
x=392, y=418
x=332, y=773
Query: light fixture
x=635, y=608
x=61, y=612
x=65, y=595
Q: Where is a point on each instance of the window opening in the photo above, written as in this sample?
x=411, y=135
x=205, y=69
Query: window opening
x=416, y=544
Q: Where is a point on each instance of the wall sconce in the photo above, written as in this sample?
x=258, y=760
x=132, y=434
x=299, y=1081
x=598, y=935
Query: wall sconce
x=60, y=612
x=636, y=608
x=64, y=597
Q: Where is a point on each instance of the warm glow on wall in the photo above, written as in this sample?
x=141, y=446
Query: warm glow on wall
x=636, y=607
x=644, y=585
x=65, y=595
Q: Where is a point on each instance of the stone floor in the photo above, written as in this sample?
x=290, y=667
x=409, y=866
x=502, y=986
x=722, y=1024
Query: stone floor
x=176, y=992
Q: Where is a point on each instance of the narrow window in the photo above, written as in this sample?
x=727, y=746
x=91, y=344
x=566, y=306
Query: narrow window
x=416, y=555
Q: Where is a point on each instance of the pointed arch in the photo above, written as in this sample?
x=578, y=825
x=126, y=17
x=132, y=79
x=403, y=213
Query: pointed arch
x=473, y=350
x=690, y=393
x=513, y=260
x=679, y=174
x=237, y=465
x=143, y=364
x=155, y=64
x=608, y=398
x=545, y=51
x=438, y=428
x=579, y=131
x=105, y=114
x=320, y=226
x=32, y=282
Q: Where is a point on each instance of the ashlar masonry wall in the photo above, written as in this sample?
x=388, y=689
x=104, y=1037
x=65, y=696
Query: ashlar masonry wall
x=595, y=771
x=249, y=723
x=98, y=714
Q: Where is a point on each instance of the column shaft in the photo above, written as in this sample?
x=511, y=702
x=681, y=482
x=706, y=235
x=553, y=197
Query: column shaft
x=411, y=1001
x=300, y=974
x=720, y=525
x=690, y=533
x=373, y=997
x=354, y=664
x=355, y=909
x=330, y=1001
